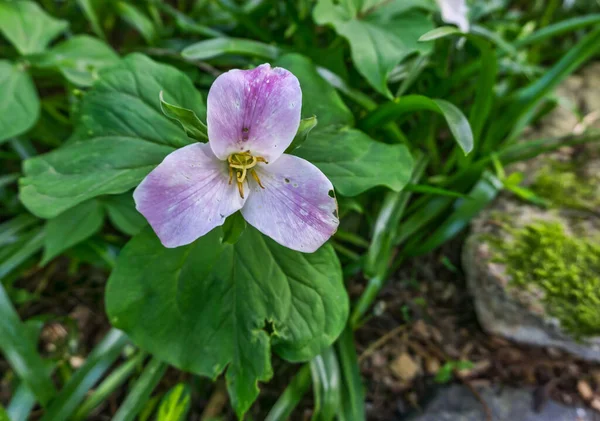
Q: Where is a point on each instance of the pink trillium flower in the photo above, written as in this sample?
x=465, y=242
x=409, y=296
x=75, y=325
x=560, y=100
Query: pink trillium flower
x=252, y=117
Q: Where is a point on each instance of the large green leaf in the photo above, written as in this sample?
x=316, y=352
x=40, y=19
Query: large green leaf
x=80, y=59
x=212, y=305
x=380, y=35
x=121, y=136
x=355, y=163
x=19, y=105
x=72, y=227
x=27, y=26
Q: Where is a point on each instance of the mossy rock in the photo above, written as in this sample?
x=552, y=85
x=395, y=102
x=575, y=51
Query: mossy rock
x=534, y=272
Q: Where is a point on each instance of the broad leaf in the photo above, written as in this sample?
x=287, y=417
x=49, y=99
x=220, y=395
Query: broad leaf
x=27, y=26
x=19, y=105
x=80, y=59
x=121, y=136
x=72, y=227
x=380, y=37
x=355, y=163
x=122, y=213
x=137, y=19
x=211, y=305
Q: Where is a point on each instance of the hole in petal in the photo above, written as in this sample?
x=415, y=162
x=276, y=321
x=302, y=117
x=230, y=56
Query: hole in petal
x=287, y=180
x=335, y=213
x=331, y=193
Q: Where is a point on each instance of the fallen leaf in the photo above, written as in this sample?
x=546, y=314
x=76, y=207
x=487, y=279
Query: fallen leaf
x=404, y=367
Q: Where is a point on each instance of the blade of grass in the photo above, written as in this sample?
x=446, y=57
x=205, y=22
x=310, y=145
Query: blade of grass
x=109, y=385
x=21, y=404
x=141, y=391
x=97, y=363
x=352, y=390
x=21, y=352
x=558, y=28
x=325, y=372
x=291, y=396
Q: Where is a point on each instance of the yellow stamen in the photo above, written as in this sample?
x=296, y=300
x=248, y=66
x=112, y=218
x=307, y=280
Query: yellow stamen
x=255, y=176
x=242, y=163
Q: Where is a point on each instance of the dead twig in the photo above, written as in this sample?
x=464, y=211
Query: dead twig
x=380, y=342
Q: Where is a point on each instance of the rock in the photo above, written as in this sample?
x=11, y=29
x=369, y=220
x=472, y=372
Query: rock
x=457, y=403
x=534, y=272
x=404, y=367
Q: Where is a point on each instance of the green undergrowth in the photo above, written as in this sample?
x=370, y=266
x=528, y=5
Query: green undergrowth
x=564, y=266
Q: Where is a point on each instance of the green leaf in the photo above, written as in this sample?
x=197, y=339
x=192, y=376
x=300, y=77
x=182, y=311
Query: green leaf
x=121, y=136
x=3, y=414
x=233, y=228
x=441, y=32
x=19, y=105
x=186, y=117
x=325, y=372
x=72, y=227
x=141, y=391
x=79, y=59
x=558, y=28
x=80, y=383
x=457, y=122
x=123, y=214
x=216, y=47
x=379, y=38
x=355, y=163
x=319, y=98
x=21, y=353
x=306, y=125
x=175, y=405
x=138, y=20
x=28, y=27
x=228, y=303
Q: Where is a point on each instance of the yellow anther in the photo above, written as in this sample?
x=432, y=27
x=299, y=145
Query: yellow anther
x=243, y=163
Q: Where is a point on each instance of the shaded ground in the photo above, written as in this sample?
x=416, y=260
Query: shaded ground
x=423, y=320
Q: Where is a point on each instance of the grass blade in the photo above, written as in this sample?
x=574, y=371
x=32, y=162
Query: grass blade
x=325, y=372
x=21, y=404
x=21, y=353
x=109, y=385
x=97, y=363
x=353, y=394
x=141, y=391
x=291, y=396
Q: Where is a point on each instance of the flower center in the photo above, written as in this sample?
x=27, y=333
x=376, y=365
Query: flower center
x=243, y=163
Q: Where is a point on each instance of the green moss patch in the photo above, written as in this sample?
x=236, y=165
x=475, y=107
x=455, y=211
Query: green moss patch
x=566, y=268
x=561, y=184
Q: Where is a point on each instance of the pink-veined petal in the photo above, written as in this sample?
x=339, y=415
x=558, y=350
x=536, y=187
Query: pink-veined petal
x=455, y=11
x=187, y=195
x=253, y=110
x=297, y=207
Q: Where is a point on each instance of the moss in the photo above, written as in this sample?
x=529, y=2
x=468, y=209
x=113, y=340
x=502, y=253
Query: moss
x=567, y=269
x=561, y=184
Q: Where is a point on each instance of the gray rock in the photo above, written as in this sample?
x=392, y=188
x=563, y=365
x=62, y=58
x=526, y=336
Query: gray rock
x=457, y=403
